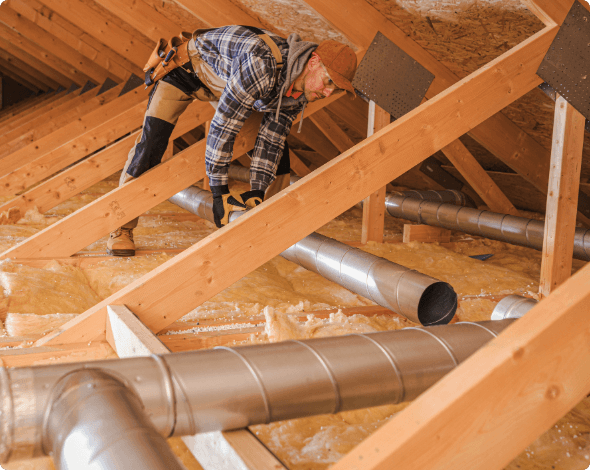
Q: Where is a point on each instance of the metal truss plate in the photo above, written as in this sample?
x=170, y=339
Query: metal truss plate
x=566, y=67
x=391, y=78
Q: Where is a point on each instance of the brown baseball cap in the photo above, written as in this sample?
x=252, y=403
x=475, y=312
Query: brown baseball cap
x=340, y=61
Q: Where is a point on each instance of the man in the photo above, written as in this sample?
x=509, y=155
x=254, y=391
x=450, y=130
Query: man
x=245, y=69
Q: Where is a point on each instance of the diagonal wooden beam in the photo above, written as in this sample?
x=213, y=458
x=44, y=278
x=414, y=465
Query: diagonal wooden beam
x=208, y=267
x=485, y=412
x=550, y=12
x=29, y=106
x=104, y=63
x=120, y=41
x=21, y=119
x=20, y=61
x=10, y=68
x=94, y=169
x=77, y=67
x=23, y=81
x=38, y=57
x=51, y=121
x=129, y=201
x=142, y=17
x=217, y=13
x=331, y=131
x=360, y=21
x=478, y=179
x=70, y=143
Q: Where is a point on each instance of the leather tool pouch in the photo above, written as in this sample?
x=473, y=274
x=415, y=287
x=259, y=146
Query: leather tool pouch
x=172, y=54
x=166, y=57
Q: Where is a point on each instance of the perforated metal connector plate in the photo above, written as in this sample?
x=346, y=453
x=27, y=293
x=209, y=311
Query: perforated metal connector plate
x=566, y=67
x=391, y=78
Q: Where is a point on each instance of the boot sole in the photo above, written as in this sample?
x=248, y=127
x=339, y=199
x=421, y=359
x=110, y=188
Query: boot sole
x=120, y=252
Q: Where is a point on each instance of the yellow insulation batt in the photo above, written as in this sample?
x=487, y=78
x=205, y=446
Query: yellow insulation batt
x=37, y=298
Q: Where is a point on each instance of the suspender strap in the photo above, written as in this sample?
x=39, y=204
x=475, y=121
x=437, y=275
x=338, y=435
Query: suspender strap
x=172, y=54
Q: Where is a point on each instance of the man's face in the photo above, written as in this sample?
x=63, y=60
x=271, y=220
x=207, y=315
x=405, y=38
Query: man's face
x=317, y=84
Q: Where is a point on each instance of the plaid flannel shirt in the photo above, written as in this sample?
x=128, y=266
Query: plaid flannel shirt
x=245, y=62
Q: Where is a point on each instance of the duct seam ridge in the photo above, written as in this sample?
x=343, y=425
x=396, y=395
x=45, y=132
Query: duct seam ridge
x=390, y=357
x=322, y=360
x=442, y=342
x=493, y=333
x=261, y=386
x=170, y=395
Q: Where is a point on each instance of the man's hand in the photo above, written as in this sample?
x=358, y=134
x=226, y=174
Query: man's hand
x=223, y=204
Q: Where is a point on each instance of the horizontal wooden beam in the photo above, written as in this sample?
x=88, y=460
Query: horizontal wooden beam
x=539, y=366
x=202, y=271
x=27, y=357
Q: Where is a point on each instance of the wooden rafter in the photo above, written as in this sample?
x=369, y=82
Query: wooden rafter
x=218, y=13
x=9, y=67
x=94, y=169
x=192, y=277
x=72, y=142
x=105, y=64
x=5, y=72
x=44, y=107
x=119, y=40
x=37, y=57
x=359, y=21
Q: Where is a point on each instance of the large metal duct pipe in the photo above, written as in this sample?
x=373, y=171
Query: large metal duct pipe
x=502, y=227
x=240, y=173
x=95, y=421
x=416, y=296
x=222, y=388
x=513, y=306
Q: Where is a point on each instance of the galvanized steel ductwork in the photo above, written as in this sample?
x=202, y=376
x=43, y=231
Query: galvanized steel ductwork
x=240, y=173
x=513, y=306
x=416, y=296
x=71, y=408
x=506, y=228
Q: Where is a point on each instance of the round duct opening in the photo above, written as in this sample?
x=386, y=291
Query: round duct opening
x=437, y=305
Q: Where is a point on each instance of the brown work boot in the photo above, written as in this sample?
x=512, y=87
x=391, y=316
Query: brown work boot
x=121, y=243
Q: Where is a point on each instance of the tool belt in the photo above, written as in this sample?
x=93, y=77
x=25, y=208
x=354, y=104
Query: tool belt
x=174, y=53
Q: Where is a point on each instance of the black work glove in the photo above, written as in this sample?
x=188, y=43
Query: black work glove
x=251, y=198
x=223, y=204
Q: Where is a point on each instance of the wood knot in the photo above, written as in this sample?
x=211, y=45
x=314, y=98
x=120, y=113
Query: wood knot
x=552, y=392
x=517, y=354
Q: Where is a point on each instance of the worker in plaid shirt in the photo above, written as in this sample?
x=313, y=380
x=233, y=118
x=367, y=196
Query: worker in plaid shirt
x=239, y=69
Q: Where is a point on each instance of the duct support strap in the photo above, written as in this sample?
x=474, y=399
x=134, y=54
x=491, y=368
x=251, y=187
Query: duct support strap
x=418, y=297
x=220, y=389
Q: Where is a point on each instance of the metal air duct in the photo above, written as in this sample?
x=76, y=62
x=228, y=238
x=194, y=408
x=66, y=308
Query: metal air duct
x=416, y=296
x=502, y=227
x=84, y=407
x=240, y=173
x=512, y=306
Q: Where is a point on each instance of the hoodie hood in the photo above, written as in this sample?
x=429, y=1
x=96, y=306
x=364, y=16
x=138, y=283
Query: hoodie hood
x=299, y=53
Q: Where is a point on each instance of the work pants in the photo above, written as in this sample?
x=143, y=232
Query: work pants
x=168, y=100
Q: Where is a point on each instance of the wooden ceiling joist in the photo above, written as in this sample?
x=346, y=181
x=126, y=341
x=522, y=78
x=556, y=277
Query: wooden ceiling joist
x=95, y=168
x=4, y=72
x=111, y=35
x=102, y=65
x=202, y=271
